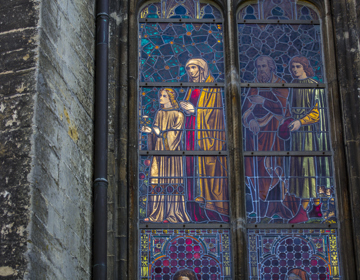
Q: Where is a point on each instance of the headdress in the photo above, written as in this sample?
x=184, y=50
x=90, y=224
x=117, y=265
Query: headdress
x=204, y=73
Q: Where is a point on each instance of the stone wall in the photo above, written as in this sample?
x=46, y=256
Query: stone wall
x=46, y=138
x=347, y=42
x=18, y=62
x=61, y=215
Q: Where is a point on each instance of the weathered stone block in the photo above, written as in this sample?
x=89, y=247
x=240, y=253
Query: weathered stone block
x=23, y=14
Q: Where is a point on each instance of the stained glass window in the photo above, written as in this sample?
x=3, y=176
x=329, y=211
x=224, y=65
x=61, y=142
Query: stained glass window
x=183, y=156
x=286, y=143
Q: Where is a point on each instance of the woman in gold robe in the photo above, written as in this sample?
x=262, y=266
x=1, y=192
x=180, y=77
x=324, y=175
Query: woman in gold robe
x=166, y=203
x=205, y=128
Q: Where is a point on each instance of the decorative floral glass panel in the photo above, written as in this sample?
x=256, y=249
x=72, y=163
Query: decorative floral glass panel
x=295, y=189
x=305, y=13
x=277, y=9
x=209, y=11
x=249, y=12
x=194, y=253
x=285, y=119
x=301, y=254
x=270, y=53
x=184, y=9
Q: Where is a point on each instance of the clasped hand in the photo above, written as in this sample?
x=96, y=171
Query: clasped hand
x=188, y=107
x=147, y=129
x=294, y=125
x=254, y=127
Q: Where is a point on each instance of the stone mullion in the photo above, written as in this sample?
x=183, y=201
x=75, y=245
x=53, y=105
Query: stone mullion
x=237, y=186
x=118, y=84
x=347, y=42
x=345, y=233
x=132, y=147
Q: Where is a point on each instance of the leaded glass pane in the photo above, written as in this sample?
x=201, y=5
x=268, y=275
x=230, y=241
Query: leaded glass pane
x=301, y=254
x=280, y=46
x=294, y=189
x=152, y=10
x=183, y=189
x=285, y=119
x=183, y=169
x=278, y=10
x=209, y=11
x=166, y=49
x=198, y=127
x=306, y=13
x=288, y=158
x=194, y=253
x=181, y=11
x=249, y=12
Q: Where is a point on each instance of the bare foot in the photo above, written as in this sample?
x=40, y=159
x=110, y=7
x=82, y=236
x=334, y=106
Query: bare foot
x=165, y=221
x=146, y=220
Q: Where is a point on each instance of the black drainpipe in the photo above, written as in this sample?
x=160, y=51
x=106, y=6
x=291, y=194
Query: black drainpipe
x=101, y=139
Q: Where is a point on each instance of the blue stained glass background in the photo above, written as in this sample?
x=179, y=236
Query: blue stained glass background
x=166, y=47
x=282, y=43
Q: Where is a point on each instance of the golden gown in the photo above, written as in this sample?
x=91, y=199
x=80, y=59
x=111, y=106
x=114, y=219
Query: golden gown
x=211, y=136
x=166, y=172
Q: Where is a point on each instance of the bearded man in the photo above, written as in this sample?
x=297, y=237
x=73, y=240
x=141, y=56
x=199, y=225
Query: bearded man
x=264, y=110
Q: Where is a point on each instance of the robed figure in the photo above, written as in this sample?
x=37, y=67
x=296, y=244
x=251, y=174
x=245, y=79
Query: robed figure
x=308, y=134
x=205, y=131
x=264, y=109
x=165, y=202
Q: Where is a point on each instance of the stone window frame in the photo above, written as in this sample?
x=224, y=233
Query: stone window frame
x=124, y=238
